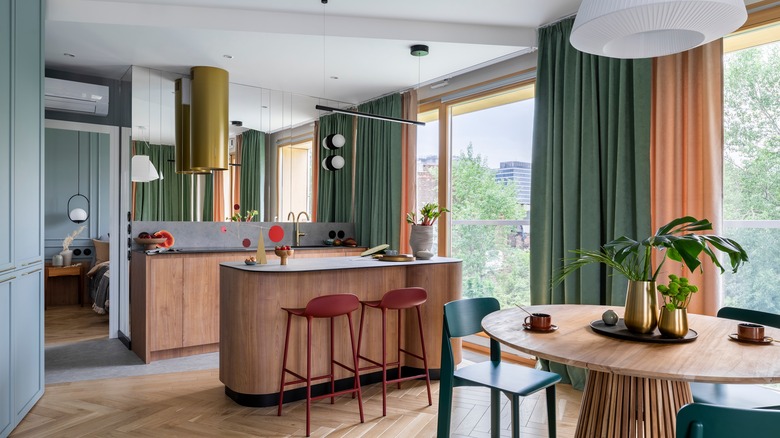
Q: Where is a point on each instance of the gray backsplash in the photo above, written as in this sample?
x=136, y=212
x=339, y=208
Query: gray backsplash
x=229, y=235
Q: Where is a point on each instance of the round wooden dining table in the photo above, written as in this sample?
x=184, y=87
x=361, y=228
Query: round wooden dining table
x=633, y=388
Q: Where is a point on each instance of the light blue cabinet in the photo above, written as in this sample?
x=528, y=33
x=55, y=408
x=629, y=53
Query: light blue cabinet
x=21, y=222
x=26, y=341
x=5, y=358
x=27, y=149
x=5, y=136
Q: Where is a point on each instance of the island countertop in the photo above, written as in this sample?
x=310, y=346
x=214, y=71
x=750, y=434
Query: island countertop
x=329, y=263
x=252, y=322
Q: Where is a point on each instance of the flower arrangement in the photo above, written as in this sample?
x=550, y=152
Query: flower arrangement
x=237, y=215
x=68, y=240
x=429, y=213
x=678, y=293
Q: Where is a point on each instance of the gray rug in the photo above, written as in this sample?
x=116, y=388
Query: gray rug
x=109, y=358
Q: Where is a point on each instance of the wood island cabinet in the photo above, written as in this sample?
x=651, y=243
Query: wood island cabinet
x=174, y=299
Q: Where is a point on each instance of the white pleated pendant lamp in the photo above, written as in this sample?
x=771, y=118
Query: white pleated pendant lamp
x=630, y=29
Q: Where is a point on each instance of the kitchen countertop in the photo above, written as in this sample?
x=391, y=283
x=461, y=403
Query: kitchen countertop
x=235, y=249
x=331, y=263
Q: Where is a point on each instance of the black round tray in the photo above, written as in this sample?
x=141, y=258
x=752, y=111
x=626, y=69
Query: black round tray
x=620, y=331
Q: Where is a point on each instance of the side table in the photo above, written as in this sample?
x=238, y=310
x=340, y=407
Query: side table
x=76, y=269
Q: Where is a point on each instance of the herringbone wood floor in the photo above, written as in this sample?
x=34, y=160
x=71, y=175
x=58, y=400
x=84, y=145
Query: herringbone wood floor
x=193, y=404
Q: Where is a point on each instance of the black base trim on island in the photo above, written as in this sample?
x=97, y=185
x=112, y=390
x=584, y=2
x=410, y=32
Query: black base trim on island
x=265, y=400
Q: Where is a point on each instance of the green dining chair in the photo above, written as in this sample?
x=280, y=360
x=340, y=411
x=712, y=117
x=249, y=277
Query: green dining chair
x=740, y=395
x=710, y=421
x=463, y=318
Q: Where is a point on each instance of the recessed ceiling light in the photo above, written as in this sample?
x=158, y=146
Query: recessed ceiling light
x=69, y=55
x=334, y=77
x=227, y=56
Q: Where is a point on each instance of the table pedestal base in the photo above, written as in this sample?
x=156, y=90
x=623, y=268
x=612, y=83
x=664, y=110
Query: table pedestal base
x=625, y=406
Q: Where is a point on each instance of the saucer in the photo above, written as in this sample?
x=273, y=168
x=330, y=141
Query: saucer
x=552, y=328
x=766, y=340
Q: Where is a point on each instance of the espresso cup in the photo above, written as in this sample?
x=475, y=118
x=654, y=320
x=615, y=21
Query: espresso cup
x=539, y=321
x=749, y=331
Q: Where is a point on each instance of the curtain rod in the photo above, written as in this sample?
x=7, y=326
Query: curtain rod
x=369, y=116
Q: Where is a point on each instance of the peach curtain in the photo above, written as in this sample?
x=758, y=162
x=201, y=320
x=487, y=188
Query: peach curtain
x=409, y=167
x=687, y=154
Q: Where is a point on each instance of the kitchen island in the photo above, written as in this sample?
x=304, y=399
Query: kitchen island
x=174, y=297
x=252, y=322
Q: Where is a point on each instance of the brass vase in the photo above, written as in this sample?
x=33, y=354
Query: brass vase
x=673, y=323
x=641, y=315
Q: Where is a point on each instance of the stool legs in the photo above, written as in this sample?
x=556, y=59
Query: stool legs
x=384, y=363
x=355, y=368
x=308, y=379
x=424, y=357
x=284, y=364
x=384, y=360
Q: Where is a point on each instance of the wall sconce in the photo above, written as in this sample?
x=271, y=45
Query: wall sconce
x=78, y=215
x=142, y=169
x=333, y=163
x=333, y=141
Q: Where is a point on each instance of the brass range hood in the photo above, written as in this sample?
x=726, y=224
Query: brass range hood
x=202, y=121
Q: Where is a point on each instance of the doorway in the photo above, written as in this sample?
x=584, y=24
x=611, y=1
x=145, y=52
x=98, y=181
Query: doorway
x=84, y=158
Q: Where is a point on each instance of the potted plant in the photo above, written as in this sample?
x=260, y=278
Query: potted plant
x=673, y=319
x=633, y=259
x=421, y=237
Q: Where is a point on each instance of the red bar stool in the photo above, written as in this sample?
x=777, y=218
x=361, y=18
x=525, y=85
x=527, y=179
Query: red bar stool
x=398, y=299
x=328, y=306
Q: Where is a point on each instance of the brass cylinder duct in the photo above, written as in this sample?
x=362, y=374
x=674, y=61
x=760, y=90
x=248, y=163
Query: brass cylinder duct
x=209, y=119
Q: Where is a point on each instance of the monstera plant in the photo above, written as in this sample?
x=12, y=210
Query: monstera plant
x=678, y=240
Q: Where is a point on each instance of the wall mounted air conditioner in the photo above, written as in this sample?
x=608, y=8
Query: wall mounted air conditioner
x=76, y=97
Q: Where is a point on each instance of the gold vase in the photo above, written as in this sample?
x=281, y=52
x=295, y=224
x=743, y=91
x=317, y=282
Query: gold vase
x=673, y=323
x=641, y=315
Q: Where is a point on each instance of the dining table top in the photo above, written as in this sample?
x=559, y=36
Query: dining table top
x=711, y=357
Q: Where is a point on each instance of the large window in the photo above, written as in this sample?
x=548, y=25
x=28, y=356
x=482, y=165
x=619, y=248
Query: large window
x=489, y=139
x=751, y=201
x=294, y=182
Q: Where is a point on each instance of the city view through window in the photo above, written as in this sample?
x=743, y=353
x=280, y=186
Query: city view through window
x=490, y=194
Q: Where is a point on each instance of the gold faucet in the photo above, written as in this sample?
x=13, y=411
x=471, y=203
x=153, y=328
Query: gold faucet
x=291, y=215
x=297, y=221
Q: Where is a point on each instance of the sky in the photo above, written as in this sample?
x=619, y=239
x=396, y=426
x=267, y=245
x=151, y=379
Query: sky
x=502, y=133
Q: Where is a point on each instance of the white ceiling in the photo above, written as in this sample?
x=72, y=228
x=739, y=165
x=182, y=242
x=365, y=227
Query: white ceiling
x=295, y=46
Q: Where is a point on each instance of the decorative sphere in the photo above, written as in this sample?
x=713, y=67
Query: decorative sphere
x=333, y=141
x=338, y=140
x=334, y=162
x=78, y=215
x=609, y=317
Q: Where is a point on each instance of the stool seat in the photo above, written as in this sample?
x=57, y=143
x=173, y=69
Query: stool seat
x=396, y=299
x=327, y=306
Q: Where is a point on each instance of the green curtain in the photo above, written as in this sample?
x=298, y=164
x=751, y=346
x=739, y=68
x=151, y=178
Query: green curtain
x=252, y=172
x=591, y=166
x=378, y=174
x=208, y=198
x=334, y=194
x=166, y=199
